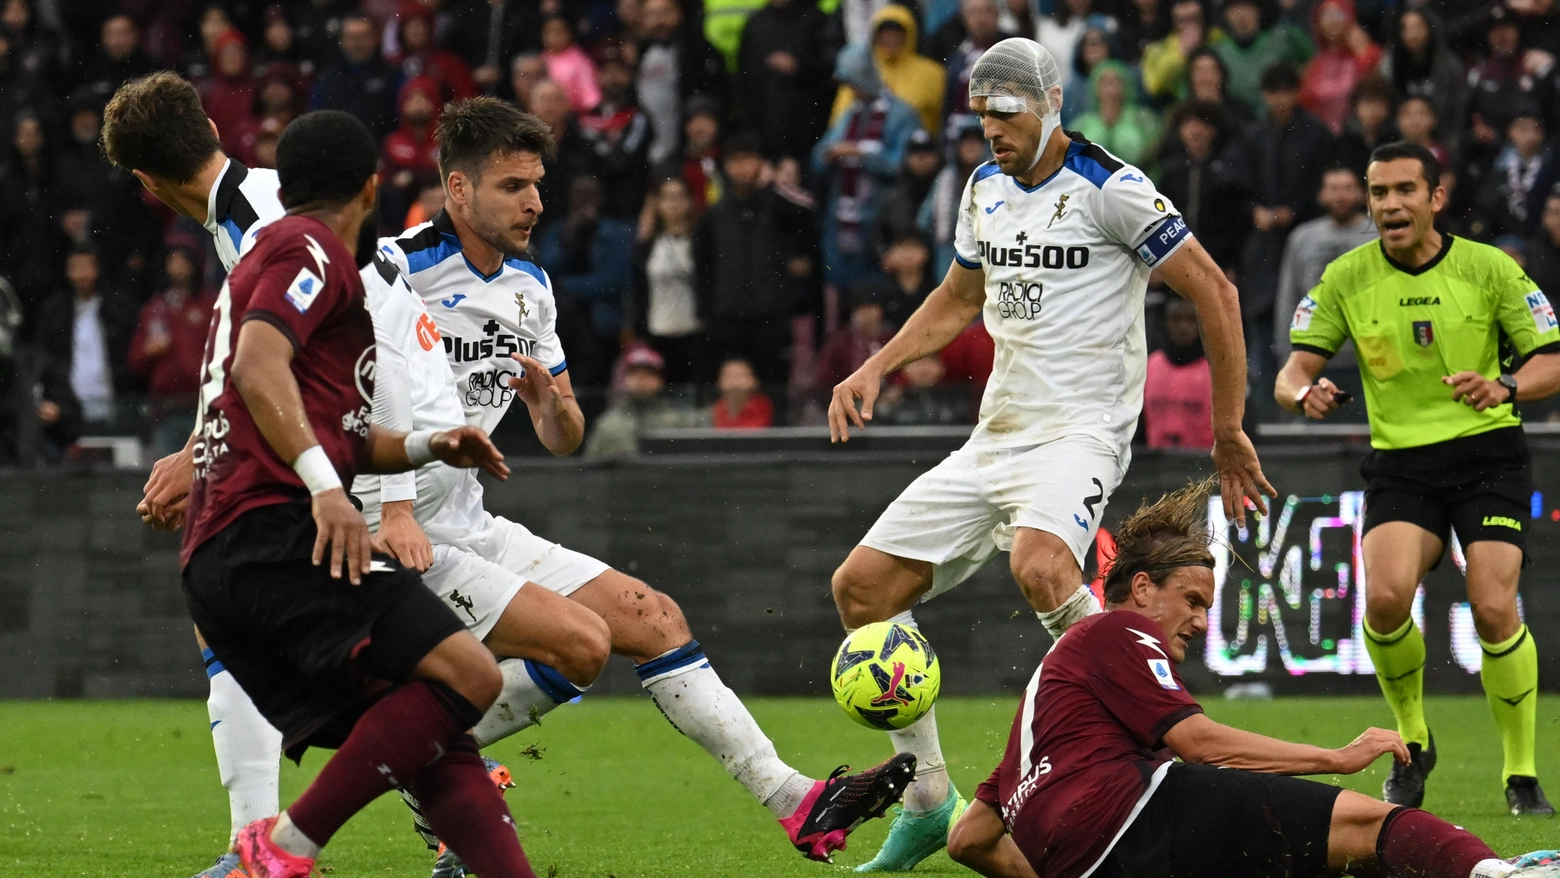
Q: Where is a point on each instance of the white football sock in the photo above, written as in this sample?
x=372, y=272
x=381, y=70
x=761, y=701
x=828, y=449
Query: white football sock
x=695, y=701
x=249, y=751
x=530, y=690
x=292, y=840
x=1081, y=605
x=930, y=788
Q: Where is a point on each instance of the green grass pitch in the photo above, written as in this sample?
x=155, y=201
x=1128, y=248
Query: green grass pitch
x=606, y=787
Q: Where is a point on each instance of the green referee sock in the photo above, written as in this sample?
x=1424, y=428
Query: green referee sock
x=1510, y=674
x=1399, y=658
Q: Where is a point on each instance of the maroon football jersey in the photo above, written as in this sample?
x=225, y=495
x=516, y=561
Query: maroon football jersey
x=300, y=279
x=1087, y=741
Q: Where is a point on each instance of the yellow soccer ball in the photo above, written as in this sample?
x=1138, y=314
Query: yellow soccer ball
x=886, y=676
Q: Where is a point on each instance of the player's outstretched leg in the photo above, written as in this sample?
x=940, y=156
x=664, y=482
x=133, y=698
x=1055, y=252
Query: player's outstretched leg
x=248, y=752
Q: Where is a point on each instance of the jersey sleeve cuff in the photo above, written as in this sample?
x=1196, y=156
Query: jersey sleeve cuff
x=557, y=370
x=276, y=321
x=1551, y=348
x=1321, y=351
x=1164, y=726
x=398, y=487
x=971, y=264
x=1166, y=238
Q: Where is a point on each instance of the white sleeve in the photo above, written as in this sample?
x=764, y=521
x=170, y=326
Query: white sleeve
x=966, y=249
x=549, y=350
x=394, y=324
x=1135, y=214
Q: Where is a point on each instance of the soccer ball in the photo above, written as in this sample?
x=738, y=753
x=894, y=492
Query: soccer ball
x=886, y=676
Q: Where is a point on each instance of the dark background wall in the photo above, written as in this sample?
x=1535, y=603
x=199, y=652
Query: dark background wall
x=90, y=603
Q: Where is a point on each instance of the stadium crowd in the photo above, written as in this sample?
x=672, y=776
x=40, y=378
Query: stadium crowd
x=750, y=195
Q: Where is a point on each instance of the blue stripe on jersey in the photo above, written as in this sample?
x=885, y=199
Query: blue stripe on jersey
x=553, y=684
x=213, y=665
x=965, y=262
x=530, y=268
x=558, y=369
x=234, y=232
x=989, y=169
x=1085, y=166
x=1164, y=238
x=421, y=260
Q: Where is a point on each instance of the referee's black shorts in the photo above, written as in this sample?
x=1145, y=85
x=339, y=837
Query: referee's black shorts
x=1206, y=822
x=312, y=652
x=1481, y=486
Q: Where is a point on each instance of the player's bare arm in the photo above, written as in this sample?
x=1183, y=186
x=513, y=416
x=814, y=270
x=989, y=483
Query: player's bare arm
x=1539, y=378
x=1191, y=272
x=980, y=842
x=555, y=413
x=1291, y=389
x=403, y=537
x=1198, y=739
x=939, y=320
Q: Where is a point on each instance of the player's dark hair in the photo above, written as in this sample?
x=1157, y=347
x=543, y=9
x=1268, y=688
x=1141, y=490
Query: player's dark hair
x=1402, y=149
x=1280, y=77
x=324, y=157
x=472, y=131
x=1158, y=538
x=156, y=125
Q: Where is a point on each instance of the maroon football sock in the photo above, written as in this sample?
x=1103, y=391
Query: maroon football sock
x=1418, y=844
x=394, y=740
x=468, y=813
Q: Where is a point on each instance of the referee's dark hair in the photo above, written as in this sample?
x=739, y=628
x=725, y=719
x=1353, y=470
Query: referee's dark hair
x=1158, y=538
x=324, y=157
x=156, y=125
x=472, y=130
x=1402, y=149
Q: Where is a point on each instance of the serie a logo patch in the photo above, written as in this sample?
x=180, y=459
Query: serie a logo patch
x=1161, y=669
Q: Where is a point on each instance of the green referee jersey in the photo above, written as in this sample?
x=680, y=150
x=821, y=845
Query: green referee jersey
x=1414, y=326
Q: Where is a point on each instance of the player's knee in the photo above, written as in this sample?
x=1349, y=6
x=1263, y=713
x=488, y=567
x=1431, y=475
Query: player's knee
x=481, y=682
x=851, y=597
x=587, y=652
x=1494, y=619
x=1384, y=612
x=1043, y=577
x=963, y=844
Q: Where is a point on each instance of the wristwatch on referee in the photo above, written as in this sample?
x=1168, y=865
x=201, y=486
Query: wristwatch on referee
x=1510, y=383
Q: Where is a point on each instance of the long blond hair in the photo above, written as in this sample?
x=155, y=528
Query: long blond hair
x=1172, y=532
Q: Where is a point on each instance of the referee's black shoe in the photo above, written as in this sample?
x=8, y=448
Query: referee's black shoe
x=1525, y=796
x=1406, y=783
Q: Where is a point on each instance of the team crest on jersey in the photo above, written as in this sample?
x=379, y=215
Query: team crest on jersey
x=1162, y=675
x=1061, y=209
x=1424, y=333
x=520, y=303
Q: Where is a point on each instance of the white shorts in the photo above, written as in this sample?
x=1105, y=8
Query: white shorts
x=479, y=578
x=967, y=508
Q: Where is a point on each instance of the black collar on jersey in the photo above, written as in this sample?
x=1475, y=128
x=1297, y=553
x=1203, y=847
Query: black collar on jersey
x=230, y=203
x=444, y=224
x=1446, y=247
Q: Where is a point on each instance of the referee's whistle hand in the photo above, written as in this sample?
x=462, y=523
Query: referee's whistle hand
x=1321, y=401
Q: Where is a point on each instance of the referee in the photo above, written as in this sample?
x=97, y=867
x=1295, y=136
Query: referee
x=1434, y=318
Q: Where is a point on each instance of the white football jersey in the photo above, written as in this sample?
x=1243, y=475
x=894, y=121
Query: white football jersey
x=243, y=201
x=414, y=389
x=1066, y=265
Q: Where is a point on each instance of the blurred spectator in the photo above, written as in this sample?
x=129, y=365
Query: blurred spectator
x=979, y=20
x=214, y=23
x=917, y=81
x=1370, y=124
x=1060, y=31
x=359, y=81
x=906, y=279
x=1164, y=62
x=1544, y=247
x=1257, y=42
x=1417, y=123
x=19, y=90
x=568, y=65
x=665, y=301
x=1207, y=79
x=34, y=245
x=782, y=82
x=755, y=255
x=724, y=21
x=848, y=348
x=1203, y=177
x=34, y=48
x=1345, y=54
x=675, y=65
x=84, y=336
x=410, y=155
x=939, y=213
x=1498, y=83
x=858, y=19
x=525, y=71
x=701, y=153
x=280, y=50
x=1119, y=122
x=484, y=33
x=897, y=219
x=101, y=205
x=1286, y=153
x=1524, y=171
x=641, y=405
x=918, y=397
x=317, y=27
x=167, y=347
x=589, y=259
x=278, y=103
x=618, y=134
x=573, y=156
x=742, y=405
x=859, y=157
x=1143, y=23
x=1512, y=246
x=1178, y=394
x=1313, y=246
x=118, y=59
x=1422, y=65
x=1093, y=49
x=422, y=56
x=228, y=92
x=968, y=358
